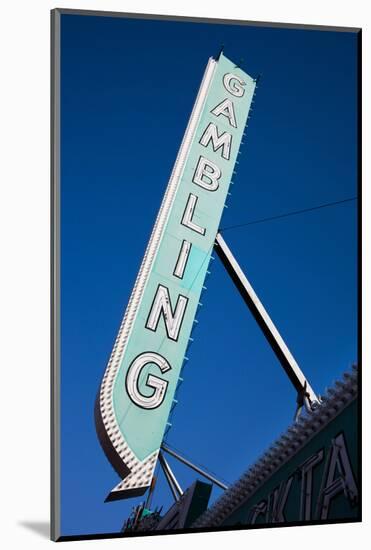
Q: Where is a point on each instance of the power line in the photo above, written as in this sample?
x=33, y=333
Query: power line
x=294, y=213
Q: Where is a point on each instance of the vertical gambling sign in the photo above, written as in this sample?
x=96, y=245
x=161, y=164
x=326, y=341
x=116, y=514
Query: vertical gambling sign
x=140, y=380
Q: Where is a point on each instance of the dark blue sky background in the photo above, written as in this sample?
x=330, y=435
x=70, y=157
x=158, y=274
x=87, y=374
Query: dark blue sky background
x=127, y=90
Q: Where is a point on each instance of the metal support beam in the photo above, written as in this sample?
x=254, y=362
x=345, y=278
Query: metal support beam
x=170, y=478
x=306, y=394
x=150, y=493
x=208, y=476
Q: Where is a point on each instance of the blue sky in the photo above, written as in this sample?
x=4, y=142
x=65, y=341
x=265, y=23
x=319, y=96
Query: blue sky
x=127, y=90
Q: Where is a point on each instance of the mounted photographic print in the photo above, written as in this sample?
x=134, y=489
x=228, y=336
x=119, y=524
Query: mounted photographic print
x=205, y=275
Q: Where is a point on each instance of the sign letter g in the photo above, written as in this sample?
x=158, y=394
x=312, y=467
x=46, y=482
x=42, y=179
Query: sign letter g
x=158, y=384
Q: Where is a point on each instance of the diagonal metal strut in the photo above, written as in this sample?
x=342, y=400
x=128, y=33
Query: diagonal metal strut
x=190, y=464
x=170, y=478
x=306, y=393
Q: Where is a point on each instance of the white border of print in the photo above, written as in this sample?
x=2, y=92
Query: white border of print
x=24, y=291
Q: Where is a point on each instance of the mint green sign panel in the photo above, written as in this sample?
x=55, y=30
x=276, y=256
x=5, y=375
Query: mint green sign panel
x=137, y=391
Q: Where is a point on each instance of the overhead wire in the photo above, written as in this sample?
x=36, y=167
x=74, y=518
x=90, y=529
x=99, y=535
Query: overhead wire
x=287, y=214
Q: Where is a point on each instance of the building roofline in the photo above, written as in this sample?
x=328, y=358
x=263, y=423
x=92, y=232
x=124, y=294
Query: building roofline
x=282, y=450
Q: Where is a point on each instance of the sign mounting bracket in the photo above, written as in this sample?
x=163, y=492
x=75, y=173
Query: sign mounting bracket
x=306, y=394
x=175, y=488
x=197, y=469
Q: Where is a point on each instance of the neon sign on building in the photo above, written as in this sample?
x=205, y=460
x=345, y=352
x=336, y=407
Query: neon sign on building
x=138, y=386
